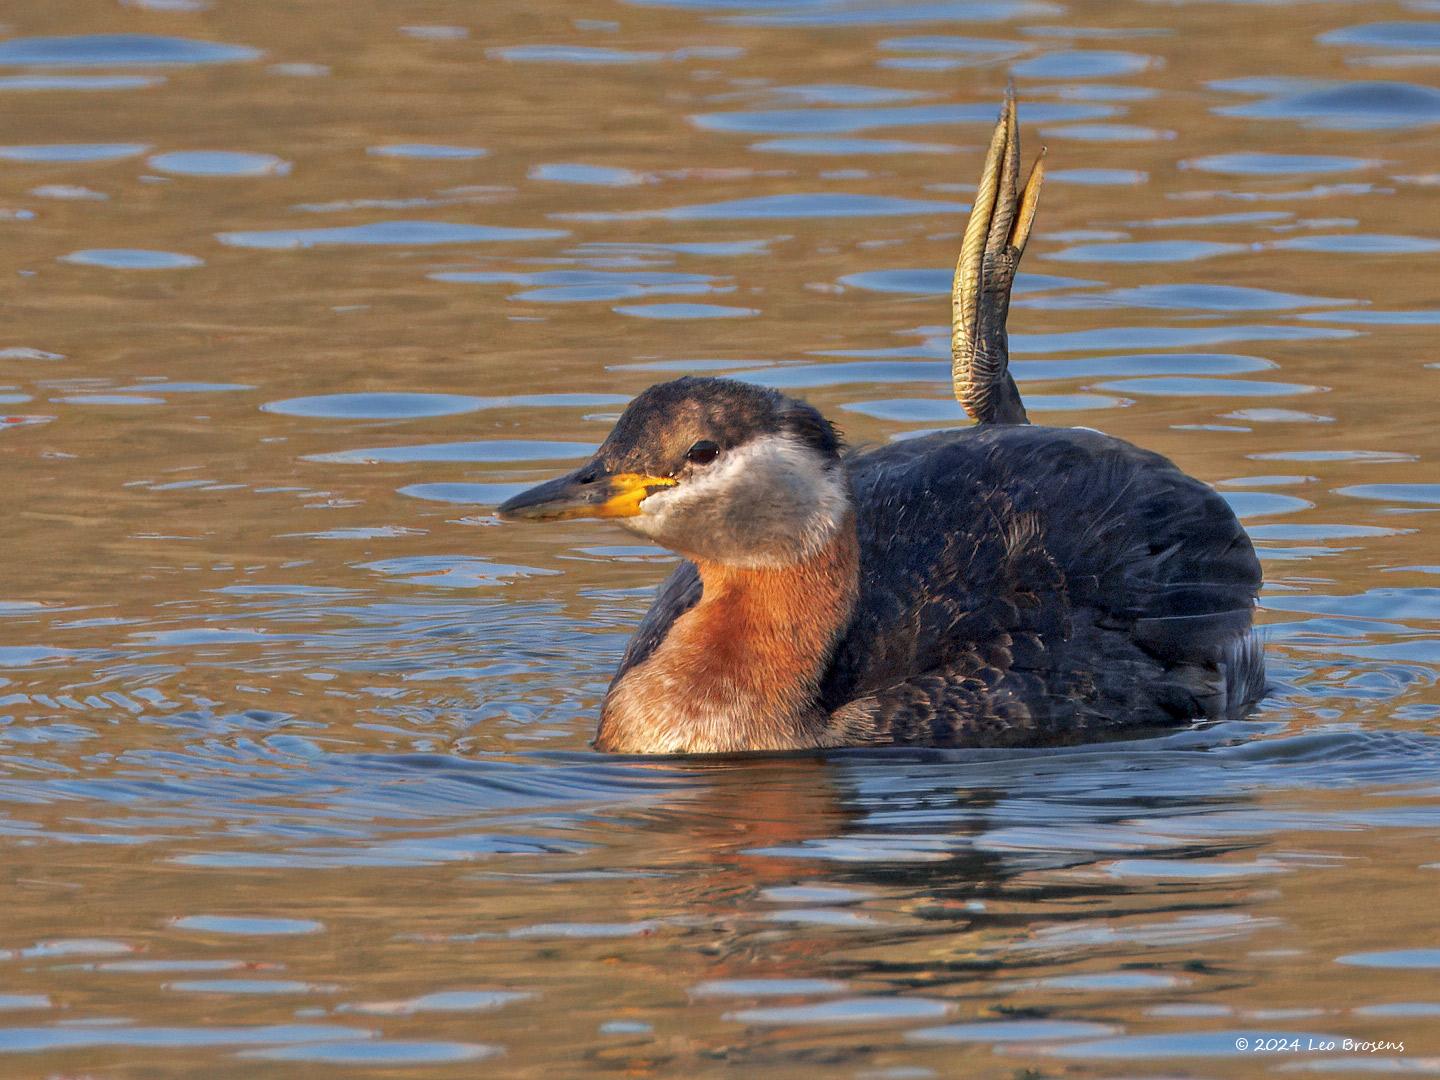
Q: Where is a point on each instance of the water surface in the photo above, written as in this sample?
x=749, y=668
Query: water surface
x=294, y=764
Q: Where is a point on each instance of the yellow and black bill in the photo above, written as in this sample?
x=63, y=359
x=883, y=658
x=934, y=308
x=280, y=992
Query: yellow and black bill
x=587, y=492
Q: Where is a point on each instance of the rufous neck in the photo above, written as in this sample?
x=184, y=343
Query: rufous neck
x=742, y=669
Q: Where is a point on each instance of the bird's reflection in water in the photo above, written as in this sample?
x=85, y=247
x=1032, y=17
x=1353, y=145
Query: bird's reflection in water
x=952, y=853
x=864, y=888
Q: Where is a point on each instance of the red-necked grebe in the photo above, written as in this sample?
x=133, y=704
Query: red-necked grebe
x=998, y=585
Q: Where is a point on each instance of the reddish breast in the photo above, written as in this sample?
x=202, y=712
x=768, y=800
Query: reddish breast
x=740, y=670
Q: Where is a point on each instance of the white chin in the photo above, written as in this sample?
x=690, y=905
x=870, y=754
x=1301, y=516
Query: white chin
x=769, y=503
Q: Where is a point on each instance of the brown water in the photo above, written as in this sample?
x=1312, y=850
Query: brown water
x=293, y=747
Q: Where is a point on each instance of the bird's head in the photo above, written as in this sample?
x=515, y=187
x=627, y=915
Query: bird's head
x=717, y=470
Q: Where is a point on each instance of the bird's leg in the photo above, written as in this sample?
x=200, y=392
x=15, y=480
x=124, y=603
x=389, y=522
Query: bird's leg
x=995, y=238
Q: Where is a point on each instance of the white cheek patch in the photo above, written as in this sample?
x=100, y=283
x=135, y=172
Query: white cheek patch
x=771, y=502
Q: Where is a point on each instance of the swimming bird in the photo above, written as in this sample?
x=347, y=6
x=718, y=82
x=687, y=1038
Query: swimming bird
x=1003, y=584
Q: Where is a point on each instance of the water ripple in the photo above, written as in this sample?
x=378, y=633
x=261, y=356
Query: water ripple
x=246, y=925
x=1387, y=35
x=1361, y=106
x=1082, y=64
x=1194, y=297
x=428, y=151
x=1359, y=244
x=586, y=175
x=132, y=259
x=685, y=311
x=835, y=121
x=378, y=1054
x=1208, y=1044
x=887, y=14
x=79, y=82
x=376, y=406
x=1003, y=1031
x=402, y=233
x=1260, y=164
x=848, y=147
x=118, y=50
x=1145, y=251
x=219, y=163
x=573, y=54
x=806, y=205
x=489, y=450
x=1428, y=317
x=72, y=152
x=570, y=286
x=32, y=1040
x=874, y=1010
x=443, y=1001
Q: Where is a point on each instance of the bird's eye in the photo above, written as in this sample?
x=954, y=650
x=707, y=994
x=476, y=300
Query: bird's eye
x=702, y=453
